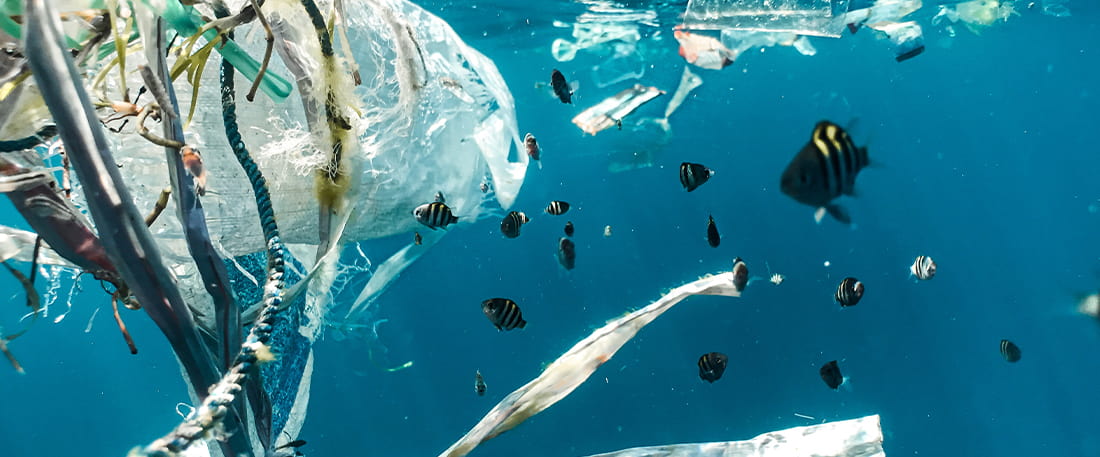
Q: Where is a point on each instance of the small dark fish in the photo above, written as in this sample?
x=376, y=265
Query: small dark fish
x=693, y=175
x=849, y=292
x=419, y=240
x=503, y=313
x=825, y=169
x=740, y=274
x=511, y=223
x=479, y=384
x=561, y=88
x=567, y=253
x=532, y=146
x=294, y=444
x=434, y=215
x=712, y=365
x=619, y=123
x=557, y=207
x=1010, y=351
x=439, y=197
x=924, y=268
x=712, y=233
x=484, y=187
x=830, y=373
x=569, y=228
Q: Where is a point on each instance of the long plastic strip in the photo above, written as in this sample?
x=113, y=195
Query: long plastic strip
x=576, y=365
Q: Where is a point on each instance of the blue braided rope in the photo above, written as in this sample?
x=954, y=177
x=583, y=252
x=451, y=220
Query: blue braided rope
x=254, y=351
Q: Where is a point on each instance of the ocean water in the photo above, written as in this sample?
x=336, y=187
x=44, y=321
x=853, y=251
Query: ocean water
x=985, y=159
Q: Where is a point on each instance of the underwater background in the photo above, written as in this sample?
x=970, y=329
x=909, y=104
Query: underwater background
x=985, y=158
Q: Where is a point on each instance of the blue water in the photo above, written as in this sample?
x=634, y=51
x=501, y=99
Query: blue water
x=986, y=160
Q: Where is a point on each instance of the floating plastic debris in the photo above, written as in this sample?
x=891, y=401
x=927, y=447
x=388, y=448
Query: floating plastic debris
x=688, y=82
x=574, y=367
x=704, y=51
x=611, y=111
x=807, y=17
x=860, y=437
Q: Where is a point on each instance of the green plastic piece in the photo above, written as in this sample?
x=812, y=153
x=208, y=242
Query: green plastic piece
x=186, y=21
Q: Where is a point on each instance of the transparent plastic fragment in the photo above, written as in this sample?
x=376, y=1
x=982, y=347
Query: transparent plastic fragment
x=740, y=41
x=595, y=36
x=704, y=51
x=574, y=367
x=19, y=245
x=688, y=82
x=618, y=68
x=802, y=17
x=1056, y=8
x=907, y=38
x=860, y=437
x=612, y=110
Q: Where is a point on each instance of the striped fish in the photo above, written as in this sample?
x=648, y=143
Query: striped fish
x=712, y=234
x=1010, y=351
x=849, y=292
x=557, y=207
x=503, y=313
x=511, y=223
x=924, y=268
x=712, y=365
x=825, y=169
x=693, y=175
x=434, y=215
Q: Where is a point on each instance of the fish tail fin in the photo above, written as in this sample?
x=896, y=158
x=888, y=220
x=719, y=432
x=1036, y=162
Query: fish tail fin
x=454, y=219
x=839, y=213
x=522, y=324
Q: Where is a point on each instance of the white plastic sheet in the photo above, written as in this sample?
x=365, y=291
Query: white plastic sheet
x=575, y=366
x=851, y=438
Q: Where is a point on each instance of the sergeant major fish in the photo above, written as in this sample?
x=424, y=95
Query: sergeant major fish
x=1010, y=351
x=557, y=207
x=830, y=373
x=434, y=215
x=712, y=233
x=511, y=223
x=849, y=292
x=923, y=268
x=712, y=365
x=823, y=170
x=503, y=313
x=561, y=87
x=693, y=175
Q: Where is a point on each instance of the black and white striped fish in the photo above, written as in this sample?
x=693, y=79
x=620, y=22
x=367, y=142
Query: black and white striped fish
x=849, y=292
x=567, y=253
x=924, y=268
x=712, y=365
x=1010, y=351
x=693, y=175
x=825, y=169
x=434, y=215
x=503, y=313
x=511, y=223
x=712, y=233
x=557, y=207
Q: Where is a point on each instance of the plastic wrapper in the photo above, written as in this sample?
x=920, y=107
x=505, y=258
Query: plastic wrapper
x=860, y=437
x=907, y=38
x=704, y=51
x=612, y=110
x=802, y=17
x=976, y=14
x=597, y=37
x=573, y=368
